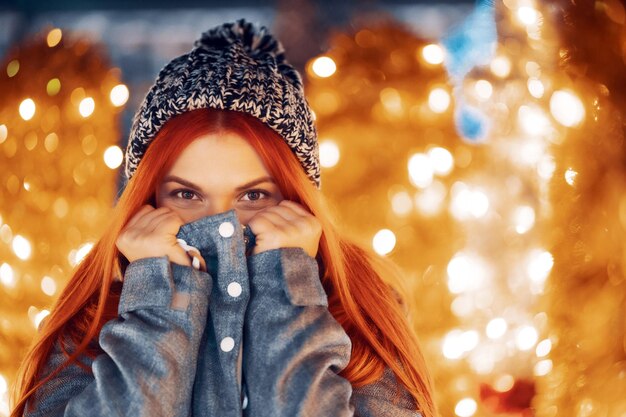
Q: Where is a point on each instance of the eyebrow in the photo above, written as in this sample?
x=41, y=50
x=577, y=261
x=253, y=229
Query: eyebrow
x=174, y=178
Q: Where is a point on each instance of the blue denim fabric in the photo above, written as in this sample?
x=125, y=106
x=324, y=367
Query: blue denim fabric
x=252, y=336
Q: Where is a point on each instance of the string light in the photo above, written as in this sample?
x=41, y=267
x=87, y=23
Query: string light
x=442, y=160
x=54, y=37
x=439, y=100
x=526, y=337
x=501, y=66
x=466, y=407
x=27, y=109
x=483, y=89
x=384, y=241
x=113, y=156
x=87, y=107
x=13, y=68
x=21, y=247
x=48, y=285
x=6, y=275
x=421, y=170
x=543, y=348
x=535, y=87
x=401, y=203
x=527, y=15
x=324, y=66
x=329, y=153
x=433, y=54
x=567, y=108
x=570, y=176
x=119, y=95
x=496, y=328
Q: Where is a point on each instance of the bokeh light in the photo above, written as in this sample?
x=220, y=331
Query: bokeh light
x=54, y=37
x=384, y=241
x=27, y=109
x=113, y=156
x=329, y=153
x=433, y=54
x=86, y=107
x=21, y=247
x=323, y=66
x=567, y=108
x=119, y=95
x=439, y=100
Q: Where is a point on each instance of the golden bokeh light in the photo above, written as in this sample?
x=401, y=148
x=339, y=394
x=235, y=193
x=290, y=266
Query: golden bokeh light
x=7, y=277
x=21, y=247
x=323, y=66
x=466, y=407
x=527, y=15
x=421, y=170
x=567, y=108
x=329, y=153
x=433, y=54
x=27, y=109
x=119, y=95
x=13, y=68
x=53, y=87
x=54, y=37
x=48, y=286
x=384, y=241
x=496, y=328
x=87, y=107
x=501, y=66
x=439, y=100
x=113, y=157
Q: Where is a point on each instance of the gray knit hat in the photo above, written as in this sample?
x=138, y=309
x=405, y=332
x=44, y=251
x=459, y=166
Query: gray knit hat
x=236, y=66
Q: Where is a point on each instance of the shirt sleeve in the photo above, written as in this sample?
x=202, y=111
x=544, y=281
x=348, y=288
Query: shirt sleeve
x=150, y=350
x=294, y=348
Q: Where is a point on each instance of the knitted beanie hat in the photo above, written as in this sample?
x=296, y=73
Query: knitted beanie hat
x=239, y=67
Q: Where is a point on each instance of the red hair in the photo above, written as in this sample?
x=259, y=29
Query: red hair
x=359, y=299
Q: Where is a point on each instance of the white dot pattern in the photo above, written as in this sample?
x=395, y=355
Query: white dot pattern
x=226, y=229
x=234, y=289
x=227, y=344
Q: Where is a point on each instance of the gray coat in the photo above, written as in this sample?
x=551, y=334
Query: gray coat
x=251, y=337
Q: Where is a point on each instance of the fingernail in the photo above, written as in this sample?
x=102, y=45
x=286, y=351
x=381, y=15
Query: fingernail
x=196, y=263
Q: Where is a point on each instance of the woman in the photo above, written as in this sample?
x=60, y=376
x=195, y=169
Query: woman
x=221, y=286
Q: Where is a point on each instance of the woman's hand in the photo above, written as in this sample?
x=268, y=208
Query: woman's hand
x=285, y=225
x=152, y=233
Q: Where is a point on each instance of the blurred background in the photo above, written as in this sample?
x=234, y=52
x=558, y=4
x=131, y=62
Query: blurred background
x=480, y=146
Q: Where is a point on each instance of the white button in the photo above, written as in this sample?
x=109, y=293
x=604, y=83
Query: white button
x=244, y=404
x=234, y=289
x=226, y=229
x=227, y=344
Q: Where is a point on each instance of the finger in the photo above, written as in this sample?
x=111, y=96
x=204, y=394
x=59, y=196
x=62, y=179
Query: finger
x=162, y=220
x=280, y=223
x=148, y=217
x=285, y=212
x=296, y=207
x=138, y=215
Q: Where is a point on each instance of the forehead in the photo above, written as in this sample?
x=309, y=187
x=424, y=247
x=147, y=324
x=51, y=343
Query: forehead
x=225, y=159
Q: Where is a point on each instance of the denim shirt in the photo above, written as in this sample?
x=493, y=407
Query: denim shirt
x=252, y=336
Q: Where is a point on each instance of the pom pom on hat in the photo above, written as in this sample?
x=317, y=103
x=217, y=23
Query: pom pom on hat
x=243, y=68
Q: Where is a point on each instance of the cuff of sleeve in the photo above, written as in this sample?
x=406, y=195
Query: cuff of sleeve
x=148, y=283
x=294, y=269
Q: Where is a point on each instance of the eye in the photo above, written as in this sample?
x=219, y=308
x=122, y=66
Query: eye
x=255, y=195
x=185, y=194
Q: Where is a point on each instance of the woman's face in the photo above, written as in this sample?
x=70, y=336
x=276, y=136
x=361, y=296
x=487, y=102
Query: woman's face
x=216, y=173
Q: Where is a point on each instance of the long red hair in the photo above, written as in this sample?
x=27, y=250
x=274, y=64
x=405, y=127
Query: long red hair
x=366, y=306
